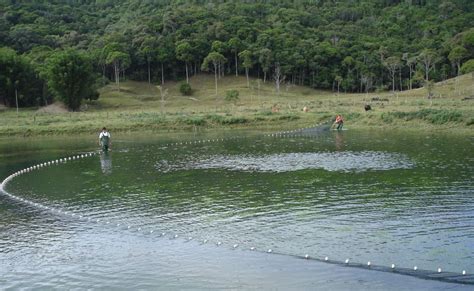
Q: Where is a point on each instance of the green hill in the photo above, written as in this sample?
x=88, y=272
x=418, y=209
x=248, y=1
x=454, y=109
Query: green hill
x=138, y=107
x=351, y=46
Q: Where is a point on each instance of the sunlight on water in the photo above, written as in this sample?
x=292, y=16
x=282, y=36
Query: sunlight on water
x=288, y=162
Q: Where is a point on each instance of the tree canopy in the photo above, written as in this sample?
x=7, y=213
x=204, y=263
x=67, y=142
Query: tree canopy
x=70, y=77
x=355, y=45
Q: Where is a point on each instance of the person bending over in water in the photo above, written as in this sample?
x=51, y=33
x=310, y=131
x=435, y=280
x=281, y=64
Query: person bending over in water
x=104, y=140
x=339, y=121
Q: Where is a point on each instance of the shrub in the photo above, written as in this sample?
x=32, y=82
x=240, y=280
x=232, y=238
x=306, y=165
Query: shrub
x=232, y=95
x=235, y=120
x=468, y=67
x=189, y=120
x=288, y=117
x=387, y=117
x=185, y=89
x=431, y=115
x=94, y=95
x=215, y=118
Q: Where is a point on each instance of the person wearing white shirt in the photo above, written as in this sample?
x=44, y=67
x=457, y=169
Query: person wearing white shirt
x=104, y=140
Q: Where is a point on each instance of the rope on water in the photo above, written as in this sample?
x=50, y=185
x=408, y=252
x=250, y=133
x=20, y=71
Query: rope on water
x=438, y=275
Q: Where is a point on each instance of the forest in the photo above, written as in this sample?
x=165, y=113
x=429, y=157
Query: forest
x=68, y=49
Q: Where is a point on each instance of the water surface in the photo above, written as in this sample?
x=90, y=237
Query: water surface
x=367, y=196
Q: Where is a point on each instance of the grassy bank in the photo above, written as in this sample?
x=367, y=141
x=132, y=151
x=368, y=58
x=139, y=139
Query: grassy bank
x=137, y=107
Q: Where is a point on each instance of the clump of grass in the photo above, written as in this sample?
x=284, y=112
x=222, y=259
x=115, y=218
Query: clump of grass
x=387, y=117
x=434, y=116
x=192, y=120
x=353, y=115
x=288, y=117
x=215, y=118
x=234, y=120
x=265, y=112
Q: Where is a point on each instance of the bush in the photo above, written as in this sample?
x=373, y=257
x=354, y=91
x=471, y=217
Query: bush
x=468, y=67
x=214, y=118
x=185, y=89
x=189, y=120
x=94, y=95
x=387, y=117
x=431, y=115
x=235, y=120
x=288, y=117
x=232, y=95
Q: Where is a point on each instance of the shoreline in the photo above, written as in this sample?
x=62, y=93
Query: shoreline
x=34, y=131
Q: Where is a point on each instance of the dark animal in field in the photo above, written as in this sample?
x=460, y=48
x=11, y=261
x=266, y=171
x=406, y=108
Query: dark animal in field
x=367, y=107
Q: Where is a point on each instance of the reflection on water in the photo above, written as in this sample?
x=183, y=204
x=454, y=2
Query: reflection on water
x=106, y=162
x=388, y=198
x=339, y=140
x=330, y=161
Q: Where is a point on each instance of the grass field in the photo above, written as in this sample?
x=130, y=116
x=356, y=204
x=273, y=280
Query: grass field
x=138, y=106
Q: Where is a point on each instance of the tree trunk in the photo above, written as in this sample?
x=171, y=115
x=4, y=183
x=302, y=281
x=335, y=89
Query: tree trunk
x=149, y=75
x=117, y=75
x=277, y=79
x=236, y=65
x=264, y=76
x=400, y=79
x=187, y=74
x=409, y=81
x=427, y=71
x=103, y=75
x=393, y=81
x=247, y=75
x=16, y=99
x=162, y=75
x=215, y=76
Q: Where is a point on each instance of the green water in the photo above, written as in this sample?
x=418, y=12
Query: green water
x=383, y=197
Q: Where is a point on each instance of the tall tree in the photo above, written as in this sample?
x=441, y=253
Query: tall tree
x=247, y=63
x=235, y=45
x=148, y=52
x=216, y=59
x=278, y=77
x=165, y=54
x=392, y=64
x=119, y=60
x=428, y=58
x=456, y=56
x=265, y=61
x=19, y=83
x=71, y=77
x=184, y=53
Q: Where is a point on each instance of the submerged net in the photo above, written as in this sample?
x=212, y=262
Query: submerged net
x=438, y=275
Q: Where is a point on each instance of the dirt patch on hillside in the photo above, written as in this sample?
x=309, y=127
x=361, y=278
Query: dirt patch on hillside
x=56, y=107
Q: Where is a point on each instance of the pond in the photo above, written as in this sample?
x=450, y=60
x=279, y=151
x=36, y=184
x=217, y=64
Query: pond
x=237, y=210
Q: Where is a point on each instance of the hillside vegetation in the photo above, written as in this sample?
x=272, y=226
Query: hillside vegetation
x=343, y=46
x=138, y=107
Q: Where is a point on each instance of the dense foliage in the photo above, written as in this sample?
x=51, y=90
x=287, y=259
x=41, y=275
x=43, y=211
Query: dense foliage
x=352, y=45
x=70, y=77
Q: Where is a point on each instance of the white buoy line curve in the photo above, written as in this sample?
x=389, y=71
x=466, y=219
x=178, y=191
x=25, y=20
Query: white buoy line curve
x=463, y=277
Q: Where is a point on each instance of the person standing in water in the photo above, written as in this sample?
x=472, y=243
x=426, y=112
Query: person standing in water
x=104, y=140
x=339, y=121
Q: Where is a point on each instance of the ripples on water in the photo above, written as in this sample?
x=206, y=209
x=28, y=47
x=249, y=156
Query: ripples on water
x=378, y=200
x=336, y=161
